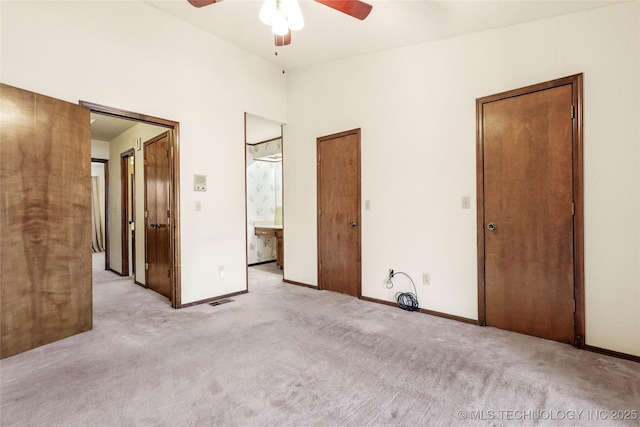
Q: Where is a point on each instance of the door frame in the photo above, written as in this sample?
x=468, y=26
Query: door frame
x=105, y=165
x=246, y=181
x=125, y=228
x=576, y=81
x=319, y=140
x=174, y=186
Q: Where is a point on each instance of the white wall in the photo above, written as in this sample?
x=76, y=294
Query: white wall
x=99, y=149
x=132, y=56
x=416, y=108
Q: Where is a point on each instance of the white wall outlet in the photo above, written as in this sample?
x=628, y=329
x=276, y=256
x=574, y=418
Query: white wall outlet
x=198, y=206
x=221, y=272
x=426, y=279
x=367, y=205
x=466, y=202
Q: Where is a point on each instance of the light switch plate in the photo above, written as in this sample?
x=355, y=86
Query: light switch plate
x=466, y=202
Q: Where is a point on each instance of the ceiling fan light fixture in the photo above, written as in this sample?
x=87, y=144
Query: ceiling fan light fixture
x=280, y=26
x=293, y=13
x=268, y=12
x=282, y=15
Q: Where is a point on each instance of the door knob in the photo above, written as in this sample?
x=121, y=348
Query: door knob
x=491, y=226
x=352, y=224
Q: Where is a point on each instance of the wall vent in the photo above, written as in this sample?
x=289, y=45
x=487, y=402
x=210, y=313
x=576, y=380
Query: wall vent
x=219, y=302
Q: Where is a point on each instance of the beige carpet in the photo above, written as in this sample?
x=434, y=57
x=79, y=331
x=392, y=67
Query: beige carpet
x=285, y=355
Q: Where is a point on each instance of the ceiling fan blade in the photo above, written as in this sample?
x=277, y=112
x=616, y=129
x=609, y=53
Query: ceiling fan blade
x=200, y=3
x=283, y=40
x=357, y=9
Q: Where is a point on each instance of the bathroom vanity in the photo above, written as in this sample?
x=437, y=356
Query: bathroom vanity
x=276, y=231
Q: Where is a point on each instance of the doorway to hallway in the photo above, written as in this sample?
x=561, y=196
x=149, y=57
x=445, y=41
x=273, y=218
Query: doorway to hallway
x=140, y=258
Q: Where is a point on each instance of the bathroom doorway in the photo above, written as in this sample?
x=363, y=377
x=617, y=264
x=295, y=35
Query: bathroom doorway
x=264, y=193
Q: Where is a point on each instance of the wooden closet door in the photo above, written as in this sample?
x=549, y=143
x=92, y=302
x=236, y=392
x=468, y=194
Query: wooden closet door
x=45, y=220
x=528, y=211
x=158, y=206
x=339, y=238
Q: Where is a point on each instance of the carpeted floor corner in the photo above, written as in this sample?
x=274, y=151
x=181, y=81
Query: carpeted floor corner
x=285, y=355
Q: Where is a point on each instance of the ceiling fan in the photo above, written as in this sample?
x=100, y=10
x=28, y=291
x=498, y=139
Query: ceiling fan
x=285, y=15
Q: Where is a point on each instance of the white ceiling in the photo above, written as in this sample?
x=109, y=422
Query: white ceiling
x=330, y=35
x=106, y=128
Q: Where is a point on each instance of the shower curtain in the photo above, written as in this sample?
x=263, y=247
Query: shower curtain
x=97, y=231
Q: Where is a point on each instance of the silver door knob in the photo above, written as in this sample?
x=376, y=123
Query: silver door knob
x=491, y=226
x=352, y=224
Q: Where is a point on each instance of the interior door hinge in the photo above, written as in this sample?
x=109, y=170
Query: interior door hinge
x=146, y=265
x=145, y=162
x=168, y=214
x=573, y=208
x=146, y=214
x=320, y=265
x=169, y=276
x=319, y=212
x=573, y=111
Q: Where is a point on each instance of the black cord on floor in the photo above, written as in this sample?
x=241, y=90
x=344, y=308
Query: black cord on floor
x=406, y=300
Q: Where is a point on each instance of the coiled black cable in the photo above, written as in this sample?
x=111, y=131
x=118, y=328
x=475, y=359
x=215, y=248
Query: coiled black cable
x=406, y=300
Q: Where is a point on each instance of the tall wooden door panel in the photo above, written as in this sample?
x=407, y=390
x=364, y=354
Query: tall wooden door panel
x=527, y=144
x=157, y=207
x=127, y=195
x=339, y=267
x=45, y=220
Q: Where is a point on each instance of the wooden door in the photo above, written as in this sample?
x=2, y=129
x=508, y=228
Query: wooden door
x=157, y=212
x=45, y=220
x=339, y=263
x=526, y=210
x=127, y=212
